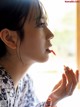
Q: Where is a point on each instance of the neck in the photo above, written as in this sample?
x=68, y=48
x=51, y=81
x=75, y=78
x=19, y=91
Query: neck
x=15, y=68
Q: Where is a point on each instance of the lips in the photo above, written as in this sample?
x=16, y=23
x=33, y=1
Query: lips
x=50, y=51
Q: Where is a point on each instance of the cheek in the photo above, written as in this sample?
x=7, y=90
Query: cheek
x=33, y=50
x=38, y=44
x=33, y=46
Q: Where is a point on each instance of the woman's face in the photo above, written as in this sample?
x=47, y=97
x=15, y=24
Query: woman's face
x=36, y=40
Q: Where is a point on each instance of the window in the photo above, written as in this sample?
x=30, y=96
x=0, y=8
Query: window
x=62, y=22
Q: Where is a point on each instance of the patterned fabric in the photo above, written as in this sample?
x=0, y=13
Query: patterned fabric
x=23, y=96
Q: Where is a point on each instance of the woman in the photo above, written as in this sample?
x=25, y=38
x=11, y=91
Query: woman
x=24, y=40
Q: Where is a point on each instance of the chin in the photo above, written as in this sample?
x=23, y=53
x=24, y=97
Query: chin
x=42, y=60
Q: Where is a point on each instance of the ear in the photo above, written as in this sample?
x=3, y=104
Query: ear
x=9, y=38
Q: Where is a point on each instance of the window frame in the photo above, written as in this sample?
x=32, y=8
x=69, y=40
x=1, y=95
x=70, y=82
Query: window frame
x=78, y=37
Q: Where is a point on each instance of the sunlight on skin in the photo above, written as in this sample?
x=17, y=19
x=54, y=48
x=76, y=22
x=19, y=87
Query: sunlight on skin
x=56, y=63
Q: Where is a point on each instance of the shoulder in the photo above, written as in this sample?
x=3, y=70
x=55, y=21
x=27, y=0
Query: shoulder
x=29, y=80
x=6, y=88
x=26, y=82
x=5, y=79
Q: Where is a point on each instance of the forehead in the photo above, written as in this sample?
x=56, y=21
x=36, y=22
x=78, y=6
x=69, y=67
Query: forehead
x=37, y=11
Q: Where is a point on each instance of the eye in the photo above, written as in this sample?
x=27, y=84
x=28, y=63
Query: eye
x=41, y=24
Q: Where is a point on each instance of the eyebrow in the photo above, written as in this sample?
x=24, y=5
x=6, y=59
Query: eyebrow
x=38, y=18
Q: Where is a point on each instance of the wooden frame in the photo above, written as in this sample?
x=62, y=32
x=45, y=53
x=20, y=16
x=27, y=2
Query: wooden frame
x=78, y=35
x=78, y=38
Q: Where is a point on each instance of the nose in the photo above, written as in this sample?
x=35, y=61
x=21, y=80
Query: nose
x=50, y=35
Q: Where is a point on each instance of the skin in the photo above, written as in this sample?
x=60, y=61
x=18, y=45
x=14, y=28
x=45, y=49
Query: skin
x=22, y=54
x=65, y=86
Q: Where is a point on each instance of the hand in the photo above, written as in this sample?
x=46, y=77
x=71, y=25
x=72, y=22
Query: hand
x=65, y=86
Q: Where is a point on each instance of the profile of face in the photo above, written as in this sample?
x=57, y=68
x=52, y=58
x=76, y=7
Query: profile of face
x=37, y=36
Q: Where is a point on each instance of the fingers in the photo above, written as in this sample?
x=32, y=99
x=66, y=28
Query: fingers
x=69, y=84
x=72, y=80
x=77, y=75
x=61, y=83
x=65, y=86
x=57, y=85
x=59, y=90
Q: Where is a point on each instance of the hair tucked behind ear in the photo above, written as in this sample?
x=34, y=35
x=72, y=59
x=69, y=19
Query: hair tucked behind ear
x=13, y=14
x=2, y=48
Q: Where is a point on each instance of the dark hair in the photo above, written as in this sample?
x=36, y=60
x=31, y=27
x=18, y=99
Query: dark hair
x=13, y=14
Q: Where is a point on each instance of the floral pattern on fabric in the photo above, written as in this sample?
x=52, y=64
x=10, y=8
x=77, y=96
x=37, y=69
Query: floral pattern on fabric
x=23, y=96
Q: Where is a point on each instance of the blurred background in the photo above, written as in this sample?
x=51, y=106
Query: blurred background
x=64, y=22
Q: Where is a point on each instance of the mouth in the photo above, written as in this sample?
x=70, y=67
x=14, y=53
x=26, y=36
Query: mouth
x=50, y=51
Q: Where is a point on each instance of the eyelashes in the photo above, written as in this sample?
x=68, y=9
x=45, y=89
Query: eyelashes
x=41, y=24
